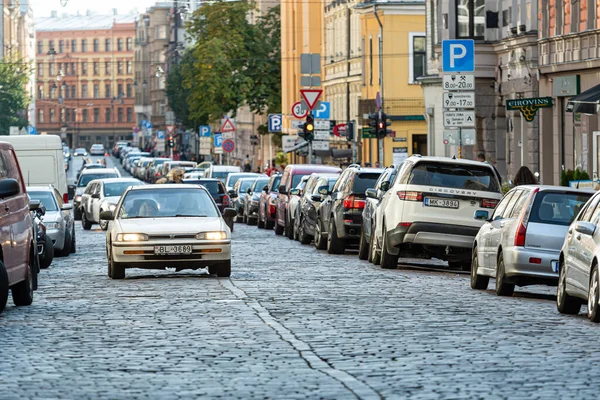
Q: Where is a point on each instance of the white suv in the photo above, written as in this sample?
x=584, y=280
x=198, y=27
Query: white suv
x=429, y=210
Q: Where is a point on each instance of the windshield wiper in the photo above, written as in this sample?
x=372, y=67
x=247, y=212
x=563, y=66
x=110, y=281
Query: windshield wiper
x=189, y=215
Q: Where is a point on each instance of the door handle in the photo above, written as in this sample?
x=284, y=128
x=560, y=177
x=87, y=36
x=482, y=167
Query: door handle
x=570, y=231
x=578, y=237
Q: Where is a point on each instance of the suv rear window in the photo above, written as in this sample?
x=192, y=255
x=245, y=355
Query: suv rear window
x=454, y=176
x=557, y=208
x=213, y=187
x=365, y=181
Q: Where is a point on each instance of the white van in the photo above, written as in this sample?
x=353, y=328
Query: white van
x=41, y=160
x=221, y=172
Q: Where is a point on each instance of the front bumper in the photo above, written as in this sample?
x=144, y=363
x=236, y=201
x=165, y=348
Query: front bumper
x=58, y=238
x=517, y=265
x=141, y=254
x=253, y=211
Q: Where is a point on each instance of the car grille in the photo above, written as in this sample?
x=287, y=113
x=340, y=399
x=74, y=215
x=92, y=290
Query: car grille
x=173, y=236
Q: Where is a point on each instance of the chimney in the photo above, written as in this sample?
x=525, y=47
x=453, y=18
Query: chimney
x=54, y=14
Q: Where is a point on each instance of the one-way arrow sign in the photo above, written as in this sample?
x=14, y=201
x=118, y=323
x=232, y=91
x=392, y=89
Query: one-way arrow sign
x=311, y=96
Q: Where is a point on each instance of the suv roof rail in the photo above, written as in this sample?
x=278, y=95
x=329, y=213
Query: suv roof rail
x=354, y=166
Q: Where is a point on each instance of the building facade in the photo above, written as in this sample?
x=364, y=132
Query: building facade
x=506, y=60
x=84, y=66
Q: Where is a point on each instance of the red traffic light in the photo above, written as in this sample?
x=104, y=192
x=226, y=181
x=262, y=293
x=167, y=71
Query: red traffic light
x=381, y=125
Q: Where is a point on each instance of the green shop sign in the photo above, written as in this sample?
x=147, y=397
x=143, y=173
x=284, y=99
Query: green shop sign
x=529, y=107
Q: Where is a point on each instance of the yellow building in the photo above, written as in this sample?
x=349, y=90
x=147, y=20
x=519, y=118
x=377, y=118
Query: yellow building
x=404, y=60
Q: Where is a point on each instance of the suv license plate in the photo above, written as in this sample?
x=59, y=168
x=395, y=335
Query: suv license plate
x=173, y=250
x=555, y=266
x=443, y=203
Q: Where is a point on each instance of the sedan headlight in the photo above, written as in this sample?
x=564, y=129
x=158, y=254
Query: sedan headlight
x=52, y=225
x=132, y=237
x=254, y=203
x=211, y=236
x=77, y=199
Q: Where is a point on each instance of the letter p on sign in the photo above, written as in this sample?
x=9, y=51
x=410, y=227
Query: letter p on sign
x=458, y=55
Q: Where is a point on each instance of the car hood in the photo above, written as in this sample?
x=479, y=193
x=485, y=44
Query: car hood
x=256, y=196
x=162, y=226
x=79, y=191
x=112, y=199
x=51, y=216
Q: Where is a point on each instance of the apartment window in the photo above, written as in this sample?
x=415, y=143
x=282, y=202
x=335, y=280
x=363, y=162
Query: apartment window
x=73, y=115
x=96, y=68
x=371, y=60
x=66, y=92
x=417, y=56
x=119, y=44
x=67, y=69
x=52, y=92
x=120, y=67
x=62, y=115
x=51, y=45
x=84, y=115
x=40, y=46
x=107, y=115
x=84, y=68
x=129, y=44
x=96, y=45
x=559, y=18
x=96, y=91
x=74, y=91
x=96, y=115
x=575, y=16
x=591, y=17
x=107, y=67
x=161, y=32
x=83, y=45
x=107, y=90
x=67, y=115
x=120, y=90
x=40, y=116
x=40, y=69
x=52, y=115
x=84, y=93
x=470, y=19
x=107, y=45
x=129, y=114
x=129, y=90
x=60, y=68
x=40, y=92
x=73, y=46
x=129, y=67
x=120, y=115
x=74, y=68
x=61, y=46
x=52, y=69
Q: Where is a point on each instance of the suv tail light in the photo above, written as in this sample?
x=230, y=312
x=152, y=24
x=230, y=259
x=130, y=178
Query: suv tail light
x=65, y=197
x=353, y=202
x=489, y=203
x=410, y=196
x=272, y=209
x=225, y=201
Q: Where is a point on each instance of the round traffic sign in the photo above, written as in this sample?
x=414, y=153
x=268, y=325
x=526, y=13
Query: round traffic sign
x=228, y=146
x=446, y=141
x=298, y=111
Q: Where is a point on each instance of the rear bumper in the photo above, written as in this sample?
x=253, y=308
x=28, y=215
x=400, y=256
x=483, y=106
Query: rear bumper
x=518, y=267
x=350, y=231
x=430, y=234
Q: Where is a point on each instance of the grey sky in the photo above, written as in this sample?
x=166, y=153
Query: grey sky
x=42, y=8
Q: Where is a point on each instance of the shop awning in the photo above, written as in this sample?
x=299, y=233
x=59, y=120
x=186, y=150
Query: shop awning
x=586, y=102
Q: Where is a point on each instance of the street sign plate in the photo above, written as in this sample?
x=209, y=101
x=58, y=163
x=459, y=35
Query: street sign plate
x=228, y=145
x=160, y=135
x=320, y=145
x=322, y=135
x=275, y=122
x=218, y=138
x=288, y=142
x=310, y=64
x=458, y=55
x=459, y=119
x=218, y=150
x=227, y=125
x=454, y=137
x=323, y=110
x=298, y=111
x=227, y=135
x=205, y=131
x=321, y=124
x=459, y=82
x=311, y=96
x=170, y=129
x=459, y=100
x=296, y=124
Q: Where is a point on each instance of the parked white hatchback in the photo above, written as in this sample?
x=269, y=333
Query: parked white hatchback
x=162, y=226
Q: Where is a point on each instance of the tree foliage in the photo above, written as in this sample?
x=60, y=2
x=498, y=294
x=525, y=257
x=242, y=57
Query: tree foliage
x=13, y=96
x=178, y=93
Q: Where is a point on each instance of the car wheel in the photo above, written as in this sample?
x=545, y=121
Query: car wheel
x=565, y=303
x=73, y=241
x=103, y=224
x=34, y=261
x=278, y=229
x=289, y=229
x=66, y=250
x=22, y=292
x=77, y=213
x=335, y=245
x=374, y=254
x=3, y=286
x=388, y=261
x=320, y=241
x=593, y=294
x=303, y=237
x=502, y=287
x=84, y=221
x=478, y=282
x=260, y=223
x=224, y=269
x=48, y=254
x=116, y=270
x=363, y=246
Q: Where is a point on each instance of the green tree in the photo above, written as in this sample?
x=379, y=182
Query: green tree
x=178, y=93
x=13, y=96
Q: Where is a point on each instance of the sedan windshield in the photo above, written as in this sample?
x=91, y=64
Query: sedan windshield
x=168, y=203
x=87, y=178
x=245, y=185
x=46, y=198
x=259, y=184
x=118, y=188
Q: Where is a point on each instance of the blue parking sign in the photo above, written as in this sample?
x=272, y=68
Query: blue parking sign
x=458, y=55
x=275, y=122
x=204, y=131
x=218, y=139
x=324, y=110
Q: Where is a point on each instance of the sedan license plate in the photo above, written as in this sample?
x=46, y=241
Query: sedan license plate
x=173, y=250
x=443, y=203
x=555, y=266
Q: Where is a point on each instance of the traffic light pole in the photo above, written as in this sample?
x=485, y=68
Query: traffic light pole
x=380, y=158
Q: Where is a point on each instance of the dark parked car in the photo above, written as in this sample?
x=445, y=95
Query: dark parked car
x=292, y=175
x=339, y=218
x=267, y=203
x=316, y=189
x=216, y=188
x=252, y=200
x=374, y=196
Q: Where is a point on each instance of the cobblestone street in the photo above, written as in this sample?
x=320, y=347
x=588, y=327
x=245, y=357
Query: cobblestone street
x=291, y=322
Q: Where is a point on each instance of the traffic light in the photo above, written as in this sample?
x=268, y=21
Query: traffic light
x=350, y=131
x=373, y=122
x=309, y=129
x=171, y=142
x=382, y=124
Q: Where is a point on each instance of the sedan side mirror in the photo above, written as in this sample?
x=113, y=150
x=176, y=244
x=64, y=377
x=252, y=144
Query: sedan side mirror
x=324, y=190
x=371, y=193
x=266, y=189
x=282, y=189
x=249, y=191
x=316, y=197
x=295, y=192
x=229, y=213
x=481, y=215
x=107, y=216
x=96, y=196
x=71, y=191
x=385, y=186
x=9, y=187
x=34, y=205
x=585, y=228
